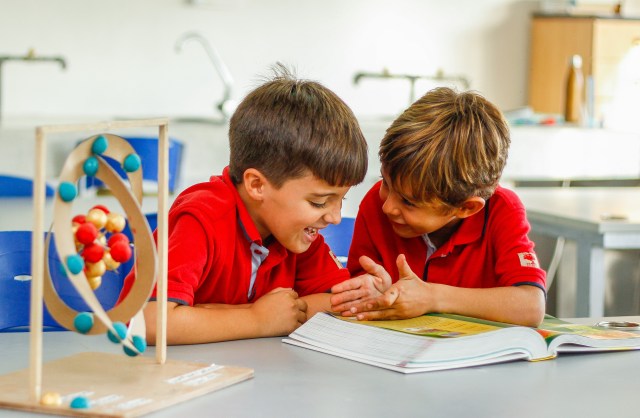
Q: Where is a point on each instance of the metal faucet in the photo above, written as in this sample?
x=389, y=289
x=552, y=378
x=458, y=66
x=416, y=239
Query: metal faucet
x=29, y=57
x=221, y=68
x=439, y=76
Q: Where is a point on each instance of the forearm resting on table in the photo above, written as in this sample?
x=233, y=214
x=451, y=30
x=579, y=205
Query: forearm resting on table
x=318, y=302
x=202, y=324
x=521, y=305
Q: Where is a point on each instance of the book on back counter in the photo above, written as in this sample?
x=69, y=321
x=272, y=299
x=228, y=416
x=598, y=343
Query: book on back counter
x=440, y=341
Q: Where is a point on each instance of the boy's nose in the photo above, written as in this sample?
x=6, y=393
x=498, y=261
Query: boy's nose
x=389, y=207
x=334, y=216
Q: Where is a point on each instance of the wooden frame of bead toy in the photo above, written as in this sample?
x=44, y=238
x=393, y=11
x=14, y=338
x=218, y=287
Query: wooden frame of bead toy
x=128, y=385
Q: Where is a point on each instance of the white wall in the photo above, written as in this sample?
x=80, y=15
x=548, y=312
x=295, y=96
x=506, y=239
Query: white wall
x=121, y=58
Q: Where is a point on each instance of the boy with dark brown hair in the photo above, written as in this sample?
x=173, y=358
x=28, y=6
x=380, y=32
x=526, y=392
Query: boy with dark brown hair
x=245, y=256
x=438, y=234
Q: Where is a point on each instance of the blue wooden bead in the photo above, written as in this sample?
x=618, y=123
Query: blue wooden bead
x=99, y=145
x=139, y=343
x=75, y=263
x=121, y=330
x=83, y=322
x=79, y=402
x=67, y=191
x=90, y=166
x=131, y=163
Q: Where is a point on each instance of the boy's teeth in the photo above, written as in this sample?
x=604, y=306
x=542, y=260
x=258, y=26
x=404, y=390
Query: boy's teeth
x=311, y=231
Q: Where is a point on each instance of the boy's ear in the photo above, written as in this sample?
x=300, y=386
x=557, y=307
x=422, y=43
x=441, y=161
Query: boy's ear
x=470, y=207
x=254, y=182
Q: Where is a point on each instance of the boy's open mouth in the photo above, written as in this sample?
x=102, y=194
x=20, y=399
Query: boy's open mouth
x=311, y=231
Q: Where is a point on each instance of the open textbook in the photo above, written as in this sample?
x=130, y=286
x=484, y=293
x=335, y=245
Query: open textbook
x=439, y=341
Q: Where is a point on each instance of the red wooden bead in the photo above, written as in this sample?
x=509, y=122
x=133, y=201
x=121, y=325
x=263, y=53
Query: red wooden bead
x=102, y=208
x=117, y=237
x=92, y=253
x=79, y=219
x=86, y=233
x=121, y=252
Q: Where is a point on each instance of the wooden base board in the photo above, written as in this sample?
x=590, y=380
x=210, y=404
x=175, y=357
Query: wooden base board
x=118, y=385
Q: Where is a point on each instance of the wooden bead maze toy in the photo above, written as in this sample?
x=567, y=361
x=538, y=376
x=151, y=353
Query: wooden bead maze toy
x=105, y=384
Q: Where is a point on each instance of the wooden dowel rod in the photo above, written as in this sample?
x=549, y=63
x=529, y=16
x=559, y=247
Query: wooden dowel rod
x=163, y=238
x=118, y=124
x=37, y=270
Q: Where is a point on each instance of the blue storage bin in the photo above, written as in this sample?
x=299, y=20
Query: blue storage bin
x=16, y=186
x=147, y=150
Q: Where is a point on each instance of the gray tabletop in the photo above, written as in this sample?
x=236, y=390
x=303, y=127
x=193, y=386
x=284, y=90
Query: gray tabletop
x=597, y=219
x=293, y=382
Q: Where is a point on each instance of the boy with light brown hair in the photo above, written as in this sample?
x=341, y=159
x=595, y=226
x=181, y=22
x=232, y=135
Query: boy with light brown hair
x=437, y=233
x=245, y=256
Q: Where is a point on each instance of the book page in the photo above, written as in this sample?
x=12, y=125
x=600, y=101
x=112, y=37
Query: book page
x=552, y=328
x=431, y=326
x=424, y=343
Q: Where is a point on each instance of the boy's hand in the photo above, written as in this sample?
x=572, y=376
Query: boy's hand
x=279, y=312
x=407, y=298
x=360, y=289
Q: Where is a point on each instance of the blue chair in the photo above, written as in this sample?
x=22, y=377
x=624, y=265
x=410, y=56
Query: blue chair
x=15, y=284
x=15, y=186
x=152, y=218
x=338, y=238
x=147, y=149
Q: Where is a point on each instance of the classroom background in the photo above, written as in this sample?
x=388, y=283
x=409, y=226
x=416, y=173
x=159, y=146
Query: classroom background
x=70, y=61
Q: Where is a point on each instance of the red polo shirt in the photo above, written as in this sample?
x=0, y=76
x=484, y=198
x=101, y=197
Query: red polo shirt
x=216, y=254
x=489, y=249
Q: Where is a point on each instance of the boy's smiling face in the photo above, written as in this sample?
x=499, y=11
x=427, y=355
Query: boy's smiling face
x=295, y=212
x=411, y=219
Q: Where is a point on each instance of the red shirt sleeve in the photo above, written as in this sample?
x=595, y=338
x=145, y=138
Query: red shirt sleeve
x=187, y=257
x=317, y=269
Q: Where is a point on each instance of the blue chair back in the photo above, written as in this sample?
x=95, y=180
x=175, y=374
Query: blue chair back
x=15, y=284
x=147, y=150
x=16, y=186
x=152, y=218
x=338, y=238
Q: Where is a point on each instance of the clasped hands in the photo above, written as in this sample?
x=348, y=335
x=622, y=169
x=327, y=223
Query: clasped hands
x=373, y=296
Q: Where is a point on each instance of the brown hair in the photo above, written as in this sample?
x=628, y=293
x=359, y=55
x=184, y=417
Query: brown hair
x=446, y=147
x=287, y=127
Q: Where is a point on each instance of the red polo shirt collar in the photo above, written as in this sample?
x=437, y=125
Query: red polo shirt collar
x=276, y=250
x=470, y=230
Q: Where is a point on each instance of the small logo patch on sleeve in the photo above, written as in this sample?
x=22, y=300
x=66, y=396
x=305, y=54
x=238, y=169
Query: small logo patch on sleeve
x=528, y=260
x=338, y=263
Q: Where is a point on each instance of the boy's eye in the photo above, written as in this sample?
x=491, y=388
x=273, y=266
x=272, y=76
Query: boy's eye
x=318, y=205
x=407, y=202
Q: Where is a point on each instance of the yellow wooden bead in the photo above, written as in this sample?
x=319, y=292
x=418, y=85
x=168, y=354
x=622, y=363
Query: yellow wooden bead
x=115, y=222
x=109, y=261
x=95, y=269
x=94, y=282
x=51, y=399
x=102, y=240
x=97, y=217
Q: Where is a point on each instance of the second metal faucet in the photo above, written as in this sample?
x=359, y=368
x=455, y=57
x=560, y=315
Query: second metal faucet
x=439, y=76
x=217, y=62
x=30, y=56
